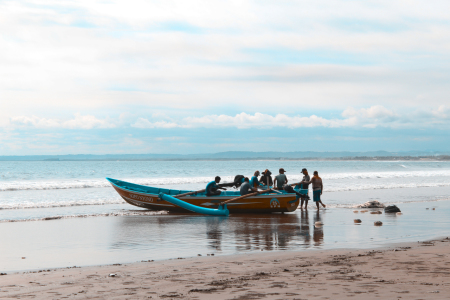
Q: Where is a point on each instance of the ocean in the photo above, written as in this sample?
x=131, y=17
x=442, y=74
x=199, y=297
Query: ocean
x=44, y=189
x=59, y=214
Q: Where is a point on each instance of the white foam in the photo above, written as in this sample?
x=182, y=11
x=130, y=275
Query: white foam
x=56, y=204
x=113, y=214
x=97, y=183
x=101, y=182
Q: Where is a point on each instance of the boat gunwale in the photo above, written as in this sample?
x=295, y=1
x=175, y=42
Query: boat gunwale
x=200, y=197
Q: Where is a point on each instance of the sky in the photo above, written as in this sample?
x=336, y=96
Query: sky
x=87, y=76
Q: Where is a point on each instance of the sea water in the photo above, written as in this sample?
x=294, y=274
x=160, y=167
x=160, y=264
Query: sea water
x=38, y=190
x=59, y=214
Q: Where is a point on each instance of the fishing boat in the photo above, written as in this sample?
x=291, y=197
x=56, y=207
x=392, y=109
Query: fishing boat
x=150, y=198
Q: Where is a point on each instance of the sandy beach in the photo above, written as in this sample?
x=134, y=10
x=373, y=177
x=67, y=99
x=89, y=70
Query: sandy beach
x=410, y=271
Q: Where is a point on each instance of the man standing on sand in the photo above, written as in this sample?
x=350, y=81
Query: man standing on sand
x=303, y=187
x=280, y=180
x=317, y=187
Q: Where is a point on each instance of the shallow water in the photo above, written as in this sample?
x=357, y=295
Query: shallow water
x=106, y=240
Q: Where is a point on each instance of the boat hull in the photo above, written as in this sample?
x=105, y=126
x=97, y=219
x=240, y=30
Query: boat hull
x=267, y=203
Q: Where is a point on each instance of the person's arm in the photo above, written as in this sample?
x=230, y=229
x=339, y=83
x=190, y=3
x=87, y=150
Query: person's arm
x=321, y=187
x=275, y=182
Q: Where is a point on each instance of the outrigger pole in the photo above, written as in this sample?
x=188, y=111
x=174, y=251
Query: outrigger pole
x=222, y=210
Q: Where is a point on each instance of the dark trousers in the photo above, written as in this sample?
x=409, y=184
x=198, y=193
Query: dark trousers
x=216, y=193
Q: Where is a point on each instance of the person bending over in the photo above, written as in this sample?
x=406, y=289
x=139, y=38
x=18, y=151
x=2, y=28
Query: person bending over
x=246, y=188
x=280, y=180
x=254, y=183
x=212, y=188
x=303, y=186
x=317, y=186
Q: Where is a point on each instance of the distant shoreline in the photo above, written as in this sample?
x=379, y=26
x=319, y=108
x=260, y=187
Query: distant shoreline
x=356, y=158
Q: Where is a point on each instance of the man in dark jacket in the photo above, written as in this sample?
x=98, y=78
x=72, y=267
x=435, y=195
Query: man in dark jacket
x=266, y=178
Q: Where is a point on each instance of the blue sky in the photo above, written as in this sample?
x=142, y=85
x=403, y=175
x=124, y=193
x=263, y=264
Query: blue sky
x=210, y=76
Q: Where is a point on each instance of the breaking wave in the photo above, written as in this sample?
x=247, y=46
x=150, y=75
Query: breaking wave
x=100, y=182
x=112, y=214
x=58, y=204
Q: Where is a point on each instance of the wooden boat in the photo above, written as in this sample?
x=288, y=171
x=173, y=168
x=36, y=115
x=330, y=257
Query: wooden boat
x=148, y=197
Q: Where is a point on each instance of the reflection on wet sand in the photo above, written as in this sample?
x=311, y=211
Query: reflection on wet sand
x=318, y=230
x=220, y=234
x=304, y=227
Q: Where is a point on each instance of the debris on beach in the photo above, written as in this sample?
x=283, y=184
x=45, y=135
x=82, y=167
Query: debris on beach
x=376, y=212
x=392, y=209
x=356, y=211
x=112, y=275
x=363, y=211
x=357, y=221
x=23, y=257
x=378, y=223
x=434, y=208
x=371, y=204
x=1, y=274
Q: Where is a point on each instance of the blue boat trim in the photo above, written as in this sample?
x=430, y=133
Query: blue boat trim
x=156, y=191
x=222, y=210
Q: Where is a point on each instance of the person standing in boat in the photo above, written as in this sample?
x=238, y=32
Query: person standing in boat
x=254, y=183
x=212, y=188
x=280, y=180
x=246, y=188
x=317, y=186
x=266, y=179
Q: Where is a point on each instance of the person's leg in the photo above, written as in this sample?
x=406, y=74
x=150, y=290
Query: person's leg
x=316, y=198
x=320, y=200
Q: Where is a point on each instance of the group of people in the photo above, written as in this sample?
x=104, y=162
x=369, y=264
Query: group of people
x=279, y=182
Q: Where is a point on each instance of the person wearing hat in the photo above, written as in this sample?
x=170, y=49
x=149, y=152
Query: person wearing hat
x=212, y=188
x=266, y=179
x=280, y=180
x=303, y=187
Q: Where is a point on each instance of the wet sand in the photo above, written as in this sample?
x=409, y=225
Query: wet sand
x=408, y=271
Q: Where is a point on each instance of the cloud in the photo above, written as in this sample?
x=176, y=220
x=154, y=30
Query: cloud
x=92, y=55
x=374, y=116
x=144, y=123
x=79, y=122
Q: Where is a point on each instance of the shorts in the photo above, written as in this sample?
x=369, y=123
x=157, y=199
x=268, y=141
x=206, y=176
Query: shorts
x=316, y=195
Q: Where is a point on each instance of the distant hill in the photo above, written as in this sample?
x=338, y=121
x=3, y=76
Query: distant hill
x=229, y=155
